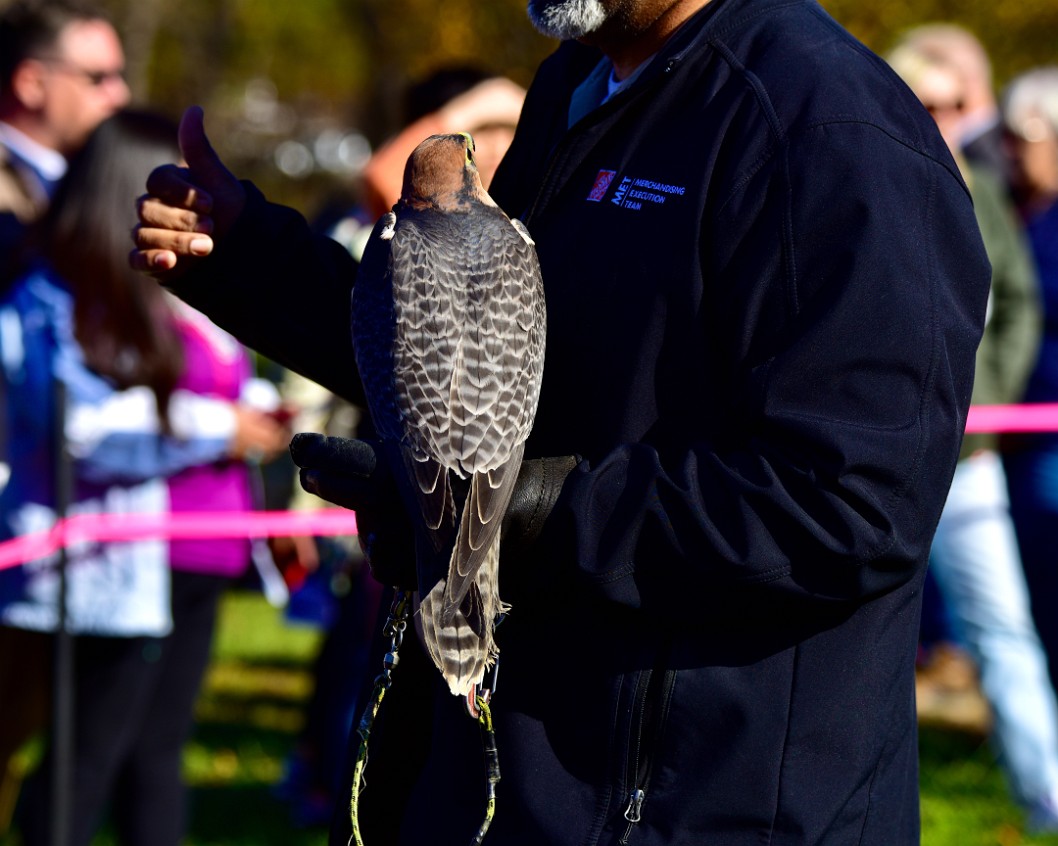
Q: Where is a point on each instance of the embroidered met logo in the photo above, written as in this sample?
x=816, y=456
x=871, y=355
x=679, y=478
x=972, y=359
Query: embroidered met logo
x=602, y=182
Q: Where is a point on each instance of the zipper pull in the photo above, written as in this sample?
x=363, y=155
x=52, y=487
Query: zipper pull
x=632, y=813
x=635, y=806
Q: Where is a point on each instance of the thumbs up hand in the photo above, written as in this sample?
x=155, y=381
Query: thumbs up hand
x=186, y=208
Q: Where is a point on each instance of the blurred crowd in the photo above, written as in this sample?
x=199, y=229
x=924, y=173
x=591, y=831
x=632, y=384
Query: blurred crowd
x=989, y=630
x=160, y=411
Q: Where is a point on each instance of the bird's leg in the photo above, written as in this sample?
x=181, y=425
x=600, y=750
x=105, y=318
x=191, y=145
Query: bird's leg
x=483, y=691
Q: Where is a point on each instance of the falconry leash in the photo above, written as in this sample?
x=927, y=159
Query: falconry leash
x=396, y=625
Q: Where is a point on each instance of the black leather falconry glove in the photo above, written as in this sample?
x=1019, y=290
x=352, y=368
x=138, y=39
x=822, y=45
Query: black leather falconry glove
x=352, y=473
x=535, y=494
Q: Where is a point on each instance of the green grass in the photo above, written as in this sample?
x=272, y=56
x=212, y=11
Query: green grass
x=252, y=708
x=249, y=714
x=964, y=797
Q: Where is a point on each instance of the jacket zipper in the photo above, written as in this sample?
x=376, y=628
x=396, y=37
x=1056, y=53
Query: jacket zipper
x=633, y=813
x=546, y=187
x=652, y=709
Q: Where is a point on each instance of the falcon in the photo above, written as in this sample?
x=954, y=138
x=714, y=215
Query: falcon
x=448, y=330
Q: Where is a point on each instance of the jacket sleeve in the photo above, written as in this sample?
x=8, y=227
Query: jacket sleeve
x=851, y=283
x=283, y=291
x=1014, y=320
x=116, y=435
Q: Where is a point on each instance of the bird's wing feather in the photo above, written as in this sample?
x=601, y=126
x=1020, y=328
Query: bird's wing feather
x=429, y=319
x=495, y=383
x=416, y=326
x=373, y=326
x=479, y=528
x=433, y=490
x=388, y=270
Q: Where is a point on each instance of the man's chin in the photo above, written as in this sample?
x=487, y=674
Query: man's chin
x=566, y=19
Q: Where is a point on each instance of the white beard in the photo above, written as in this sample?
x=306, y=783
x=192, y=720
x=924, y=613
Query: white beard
x=567, y=19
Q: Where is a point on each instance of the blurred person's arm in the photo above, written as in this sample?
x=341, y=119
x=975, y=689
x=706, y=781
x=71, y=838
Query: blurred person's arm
x=1015, y=317
x=119, y=435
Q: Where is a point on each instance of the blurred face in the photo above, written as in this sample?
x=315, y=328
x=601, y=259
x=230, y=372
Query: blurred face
x=941, y=92
x=80, y=85
x=490, y=145
x=1033, y=149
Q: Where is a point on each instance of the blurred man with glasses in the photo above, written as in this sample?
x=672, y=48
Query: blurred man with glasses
x=61, y=74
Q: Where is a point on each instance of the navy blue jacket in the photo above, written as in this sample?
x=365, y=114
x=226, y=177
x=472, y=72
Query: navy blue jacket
x=765, y=288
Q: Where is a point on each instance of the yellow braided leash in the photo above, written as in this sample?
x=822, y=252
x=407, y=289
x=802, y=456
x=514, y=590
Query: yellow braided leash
x=396, y=624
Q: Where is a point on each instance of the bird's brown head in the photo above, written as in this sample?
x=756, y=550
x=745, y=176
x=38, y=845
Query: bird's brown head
x=441, y=172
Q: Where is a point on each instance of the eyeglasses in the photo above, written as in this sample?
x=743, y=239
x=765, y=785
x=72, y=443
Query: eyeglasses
x=944, y=108
x=95, y=78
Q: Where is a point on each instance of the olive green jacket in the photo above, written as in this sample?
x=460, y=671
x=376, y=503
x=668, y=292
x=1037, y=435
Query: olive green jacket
x=1013, y=323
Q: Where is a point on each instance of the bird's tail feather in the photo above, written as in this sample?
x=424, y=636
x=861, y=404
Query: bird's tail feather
x=464, y=647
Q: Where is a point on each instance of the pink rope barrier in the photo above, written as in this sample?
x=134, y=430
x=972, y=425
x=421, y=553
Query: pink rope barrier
x=1031, y=417
x=83, y=528
x=1038, y=417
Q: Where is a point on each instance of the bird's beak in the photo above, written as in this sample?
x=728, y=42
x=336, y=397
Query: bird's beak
x=470, y=146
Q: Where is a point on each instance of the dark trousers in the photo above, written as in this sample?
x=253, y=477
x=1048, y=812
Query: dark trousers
x=1032, y=477
x=134, y=701
x=25, y=698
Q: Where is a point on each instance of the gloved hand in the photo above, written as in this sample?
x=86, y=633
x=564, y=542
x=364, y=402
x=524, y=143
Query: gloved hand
x=351, y=473
x=535, y=494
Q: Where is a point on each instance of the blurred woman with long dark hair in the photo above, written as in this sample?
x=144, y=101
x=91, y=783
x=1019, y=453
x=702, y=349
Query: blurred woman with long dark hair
x=153, y=422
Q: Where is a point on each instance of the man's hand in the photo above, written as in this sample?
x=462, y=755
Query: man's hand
x=186, y=209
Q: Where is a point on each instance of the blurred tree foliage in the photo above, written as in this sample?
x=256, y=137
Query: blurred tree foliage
x=1018, y=35
x=268, y=71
